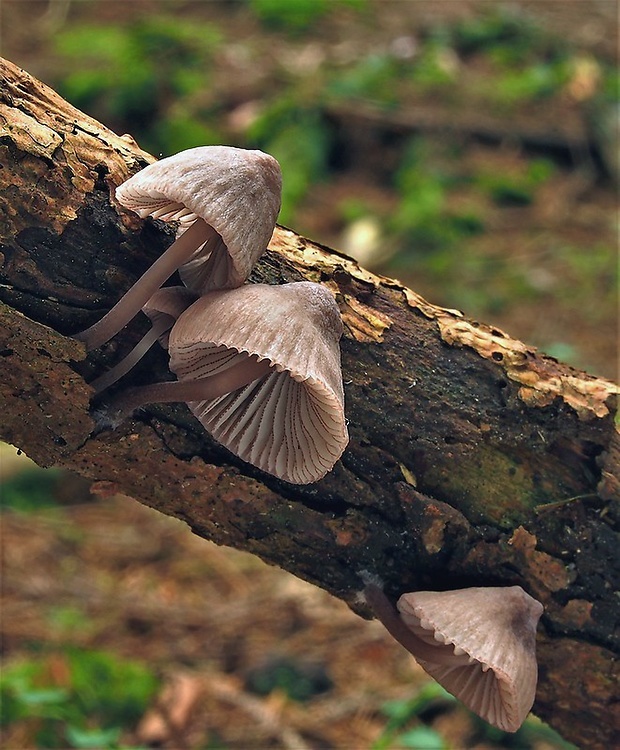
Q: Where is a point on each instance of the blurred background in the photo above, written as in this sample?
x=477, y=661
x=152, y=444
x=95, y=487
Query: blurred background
x=469, y=149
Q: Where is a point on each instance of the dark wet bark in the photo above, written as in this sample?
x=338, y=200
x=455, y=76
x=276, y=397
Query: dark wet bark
x=474, y=459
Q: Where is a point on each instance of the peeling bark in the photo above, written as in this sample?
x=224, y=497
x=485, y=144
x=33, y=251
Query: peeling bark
x=474, y=459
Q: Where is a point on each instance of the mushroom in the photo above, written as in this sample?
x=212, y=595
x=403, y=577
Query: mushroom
x=283, y=409
x=163, y=309
x=226, y=200
x=478, y=643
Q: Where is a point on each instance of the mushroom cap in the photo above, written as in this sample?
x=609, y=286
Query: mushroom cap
x=168, y=302
x=236, y=191
x=290, y=423
x=496, y=628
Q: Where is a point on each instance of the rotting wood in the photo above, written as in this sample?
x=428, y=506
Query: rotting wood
x=474, y=459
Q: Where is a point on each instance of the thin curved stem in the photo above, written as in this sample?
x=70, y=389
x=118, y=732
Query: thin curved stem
x=161, y=325
x=385, y=611
x=203, y=389
x=135, y=298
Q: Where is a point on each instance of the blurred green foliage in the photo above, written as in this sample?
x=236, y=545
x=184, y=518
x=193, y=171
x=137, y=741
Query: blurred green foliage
x=528, y=83
x=434, y=69
x=64, y=621
x=532, y=734
x=368, y=79
x=402, y=713
x=297, y=15
x=30, y=490
x=506, y=35
x=422, y=218
x=75, y=698
x=593, y=284
x=512, y=62
x=298, y=680
x=299, y=140
x=143, y=76
x=516, y=189
x=406, y=727
x=154, y=77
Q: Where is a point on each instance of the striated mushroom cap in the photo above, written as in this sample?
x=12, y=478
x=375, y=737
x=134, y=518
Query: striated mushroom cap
x=291, y=422
x=236, y=191
x=496, y=629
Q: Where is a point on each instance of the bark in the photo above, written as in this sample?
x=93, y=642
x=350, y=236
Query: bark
x=474, y=459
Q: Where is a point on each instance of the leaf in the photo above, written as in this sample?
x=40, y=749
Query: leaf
x=421, y=738
x=92, y=738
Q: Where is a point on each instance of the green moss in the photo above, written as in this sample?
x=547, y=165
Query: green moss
x=478, y=488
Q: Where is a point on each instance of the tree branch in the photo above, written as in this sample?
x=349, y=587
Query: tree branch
x=474, y=459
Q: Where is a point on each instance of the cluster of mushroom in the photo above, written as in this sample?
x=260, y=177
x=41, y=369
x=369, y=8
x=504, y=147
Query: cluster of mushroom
x=277, y=400
x=258, y=365
x=478, y=643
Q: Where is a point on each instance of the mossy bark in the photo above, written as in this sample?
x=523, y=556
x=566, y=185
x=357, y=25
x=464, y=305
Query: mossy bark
x=474, y=459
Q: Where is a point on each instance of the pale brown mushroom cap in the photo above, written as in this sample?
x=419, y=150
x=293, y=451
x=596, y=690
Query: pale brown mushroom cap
x=496, y=628
x=236, y=191
x=291, y=422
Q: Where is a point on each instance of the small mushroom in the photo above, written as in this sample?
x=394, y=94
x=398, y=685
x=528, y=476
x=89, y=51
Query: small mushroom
x=226, y=200
x=478, y=643
x=163, y=309
x=283, y=410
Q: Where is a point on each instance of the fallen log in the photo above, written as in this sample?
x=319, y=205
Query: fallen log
x=474, y=459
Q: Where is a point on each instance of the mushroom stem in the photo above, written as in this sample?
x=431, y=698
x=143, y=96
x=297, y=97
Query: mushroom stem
x=163, y=324
x=202, y=389
x=385, y=611
x=136, y=297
